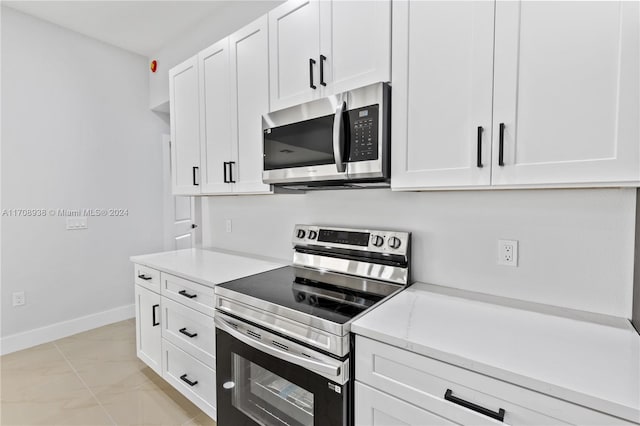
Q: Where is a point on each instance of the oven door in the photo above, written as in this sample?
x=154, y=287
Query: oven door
x=263, y=379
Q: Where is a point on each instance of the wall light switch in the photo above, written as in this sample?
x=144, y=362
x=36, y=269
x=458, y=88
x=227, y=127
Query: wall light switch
x=76, y=222
x=508, y=252
x=228, y=225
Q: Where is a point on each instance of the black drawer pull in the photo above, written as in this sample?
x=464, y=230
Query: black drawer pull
x=187, y=381
x=144, y=277
x=185, y=294
x=322, y=59
x=479, y=159
x=312, y=62
x=501, y=147
x=154, y=321
x=448, y=395
x=186, y=333
x=231, y=163
x=224, y=171
x=195, y=169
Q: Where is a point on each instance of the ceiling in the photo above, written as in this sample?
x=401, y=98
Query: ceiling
x=142, y=27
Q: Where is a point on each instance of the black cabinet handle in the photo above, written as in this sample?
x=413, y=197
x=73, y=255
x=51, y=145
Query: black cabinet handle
x=231, y=163
x=186, y=333
x=185, y=294
x=187, y=381
x=224, y=171
x=153, y=310
x=322, y=59
x=471, y=406
x=501, y=146
x=312, y=62
x=144, y=277
x=195, y=168
x=479, y=159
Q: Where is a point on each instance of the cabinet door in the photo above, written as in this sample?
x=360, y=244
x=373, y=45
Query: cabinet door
x=356, y=42
x=249, y=100
x=185, y=131
x=375, y=408
x=442, y=93
x=566, y=89
x=294, y=41
x=215, y=117
x=148, y=330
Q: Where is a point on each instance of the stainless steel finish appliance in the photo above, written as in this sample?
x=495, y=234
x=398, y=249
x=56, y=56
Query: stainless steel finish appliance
x=341, y=141
x=283, y=342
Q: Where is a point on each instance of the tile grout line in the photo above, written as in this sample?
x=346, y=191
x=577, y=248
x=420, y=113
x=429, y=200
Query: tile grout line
x=85, y=384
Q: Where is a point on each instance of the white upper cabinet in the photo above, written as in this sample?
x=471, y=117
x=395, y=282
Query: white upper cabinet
x=561, y=108
x=442, y=93
x=249, y=101
x=567, y=91
x=185, y=131
x=294, y=44
x=355, y=44
x=318, y=48
x=215, y=117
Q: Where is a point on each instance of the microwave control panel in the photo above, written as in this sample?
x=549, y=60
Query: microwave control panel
x=363, y=124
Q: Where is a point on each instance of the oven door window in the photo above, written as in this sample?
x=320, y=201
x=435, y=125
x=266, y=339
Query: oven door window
x=308, y=143
x=268, y=398
x=256, y=388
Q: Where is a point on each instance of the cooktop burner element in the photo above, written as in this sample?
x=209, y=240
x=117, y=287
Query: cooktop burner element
x=337, y=274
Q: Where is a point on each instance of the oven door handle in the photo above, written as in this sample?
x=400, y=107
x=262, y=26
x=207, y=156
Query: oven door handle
x=309, y=364
x=338, y=137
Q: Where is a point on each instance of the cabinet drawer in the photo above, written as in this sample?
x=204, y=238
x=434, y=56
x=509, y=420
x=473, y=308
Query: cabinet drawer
x=423, y=381
x=190, y=330
x=196, y=296
x=180, y=368
x=147, y=277
x=376, y=408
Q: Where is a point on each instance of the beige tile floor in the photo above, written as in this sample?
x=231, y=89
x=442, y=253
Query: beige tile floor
x=91, y=378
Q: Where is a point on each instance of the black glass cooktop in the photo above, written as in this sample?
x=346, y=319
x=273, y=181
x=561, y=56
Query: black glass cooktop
x=282, y=287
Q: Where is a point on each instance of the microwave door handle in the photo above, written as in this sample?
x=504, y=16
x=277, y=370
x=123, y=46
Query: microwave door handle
x=338, y=137
x=310, y=364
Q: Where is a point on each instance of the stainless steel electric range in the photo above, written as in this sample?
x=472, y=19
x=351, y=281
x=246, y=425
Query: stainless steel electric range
x=283, y=345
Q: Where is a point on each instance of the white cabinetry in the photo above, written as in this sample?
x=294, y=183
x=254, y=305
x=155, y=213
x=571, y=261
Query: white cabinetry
x=215, y=117
x=175, y=333
x=567, y=91
x=185, y=130
x=217, y=101
x=148, y=340
x=396, y=386
x=564, y=92
x=318, y=48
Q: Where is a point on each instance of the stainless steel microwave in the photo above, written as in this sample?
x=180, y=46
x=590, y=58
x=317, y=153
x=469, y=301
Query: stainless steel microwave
x=341, y=141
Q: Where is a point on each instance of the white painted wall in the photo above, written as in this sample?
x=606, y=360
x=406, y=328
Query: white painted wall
x=76, y=133
x=231, y=16
x=576, y=246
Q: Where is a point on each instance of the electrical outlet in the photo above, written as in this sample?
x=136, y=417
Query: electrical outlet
x=508, y=252
x=228, y=225
x=76, y=222
x=18, y=298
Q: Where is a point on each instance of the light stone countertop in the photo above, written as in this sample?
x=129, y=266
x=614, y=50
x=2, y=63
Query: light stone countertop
x=208, y=266
x=594, y=364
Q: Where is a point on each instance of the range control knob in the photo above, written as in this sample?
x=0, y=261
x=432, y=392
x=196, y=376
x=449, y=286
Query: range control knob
x=313, y=235
x=394, y=242
x=301, y=233
x=377, y=240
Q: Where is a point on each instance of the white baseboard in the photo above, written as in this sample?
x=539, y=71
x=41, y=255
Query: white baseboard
x=38, y=336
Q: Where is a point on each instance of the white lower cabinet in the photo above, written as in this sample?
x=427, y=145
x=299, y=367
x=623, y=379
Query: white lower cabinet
x=148, y=327
x=376, y=408
x=395, y=387
x=192, y=378
x=175, y=333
